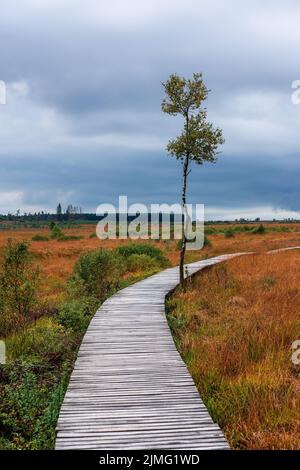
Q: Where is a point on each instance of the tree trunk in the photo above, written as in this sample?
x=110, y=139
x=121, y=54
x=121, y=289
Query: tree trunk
x=183, y=246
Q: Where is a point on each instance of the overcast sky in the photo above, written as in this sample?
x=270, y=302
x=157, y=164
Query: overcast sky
x=83, y=123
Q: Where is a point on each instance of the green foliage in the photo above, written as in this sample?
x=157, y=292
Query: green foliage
x=46, y=340
x=97, y=273
x=199, y=140
x=18, y=279
x=66, y=238
x=143, y=249
x=210, y=230
x=229, y=233
x=207, y=241
x=260, y=230
x=142, y=263
x=56, y=232
x=39, y=238
x=7, y=320
x=76, y=313
x=44, y=428
x=22, y=400
x=29, y=406
x=245, y=228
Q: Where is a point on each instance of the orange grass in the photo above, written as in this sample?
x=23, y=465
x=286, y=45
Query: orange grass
x=57, y=258
x=234, y=327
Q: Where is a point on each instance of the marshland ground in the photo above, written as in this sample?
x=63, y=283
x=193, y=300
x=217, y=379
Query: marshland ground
x=234, y=325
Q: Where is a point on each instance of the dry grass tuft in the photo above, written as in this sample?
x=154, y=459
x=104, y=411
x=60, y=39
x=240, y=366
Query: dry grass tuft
x=234, y=327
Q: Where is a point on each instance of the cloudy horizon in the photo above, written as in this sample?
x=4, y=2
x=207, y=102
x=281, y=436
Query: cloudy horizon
x=82, y=122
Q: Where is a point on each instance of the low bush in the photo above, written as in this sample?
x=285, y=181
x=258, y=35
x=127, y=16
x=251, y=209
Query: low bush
x=22, y=399
x=210, y=230
x=76, y=314
x=97, y=273
x=18, y=280
x=142, y=263
x=246, y=228
x=56, y=232
x=39, y=238
x=260, y=230
x=9, y=322
x=229, y=233
x=30, y=399
x=66, y=238
x=45, y=341
x=143, y=249
x=207, y=241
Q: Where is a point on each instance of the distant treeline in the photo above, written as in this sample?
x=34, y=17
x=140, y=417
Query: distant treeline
x=43, y=218
x=89, y=217
x=66, y=220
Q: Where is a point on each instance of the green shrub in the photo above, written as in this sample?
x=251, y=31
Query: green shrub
x=246, y=228
x=143, y=249
x=30, y=399
x=18, y=280
x=22, y=399
x=283, y=228
x=206, y=241
x=44, y=434
x=142, y=263
x=65, y=238
x=210, y=230
x=259, y=230
x=76, y=314
x=8, y=322
x=56, y=232
x=40, y=238
x=46, y=340
x=97, y=273
x=229, y=233
x=92, y=235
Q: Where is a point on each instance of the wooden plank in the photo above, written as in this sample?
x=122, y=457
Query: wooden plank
x=130, y=388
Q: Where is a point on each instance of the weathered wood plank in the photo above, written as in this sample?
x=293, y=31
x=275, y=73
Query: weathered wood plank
x=130, y=388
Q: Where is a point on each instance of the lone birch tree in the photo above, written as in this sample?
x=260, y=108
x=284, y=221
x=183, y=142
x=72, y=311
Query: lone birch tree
x=198, y=141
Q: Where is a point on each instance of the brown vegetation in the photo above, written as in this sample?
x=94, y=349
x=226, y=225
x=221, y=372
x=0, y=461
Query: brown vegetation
x=57, y=258
x=234, y=327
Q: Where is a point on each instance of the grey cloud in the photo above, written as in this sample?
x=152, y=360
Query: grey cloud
x=90, y=127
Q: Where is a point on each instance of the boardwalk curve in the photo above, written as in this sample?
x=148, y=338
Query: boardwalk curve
x=130, y=388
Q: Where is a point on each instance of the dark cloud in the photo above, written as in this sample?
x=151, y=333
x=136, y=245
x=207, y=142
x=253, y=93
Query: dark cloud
x=83, y=122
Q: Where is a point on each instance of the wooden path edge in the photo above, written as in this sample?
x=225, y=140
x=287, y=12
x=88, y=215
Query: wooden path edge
x=130, y=388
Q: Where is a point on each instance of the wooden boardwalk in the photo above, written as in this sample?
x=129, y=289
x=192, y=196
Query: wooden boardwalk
x=130, y=388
